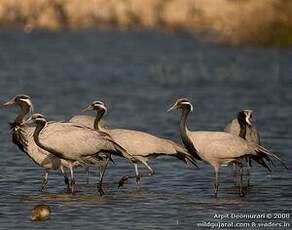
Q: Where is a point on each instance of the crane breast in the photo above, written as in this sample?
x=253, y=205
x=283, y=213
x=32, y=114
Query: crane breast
x=40, y=156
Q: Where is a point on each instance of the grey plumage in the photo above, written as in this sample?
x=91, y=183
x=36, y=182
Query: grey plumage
x=22, y=136
x=219, y=148
x=240, y=127
x=145, y=145
x=72, y=142
x=140, y=146
x=87, y=121
x=243, y=126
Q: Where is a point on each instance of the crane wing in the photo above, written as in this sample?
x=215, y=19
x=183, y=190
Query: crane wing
x=73, y=141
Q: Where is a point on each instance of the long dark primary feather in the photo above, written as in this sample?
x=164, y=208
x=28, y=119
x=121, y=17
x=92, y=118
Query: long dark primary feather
x=262, y=162
x=260, y=159
x=262, y=153
x=266, y=152
x=184, y=155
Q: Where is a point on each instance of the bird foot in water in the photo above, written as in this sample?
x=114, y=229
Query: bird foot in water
x=122, y=181
x=42, y=188
x=68, y=189
x=248, y=184
x=99, y=188
x=241, y=194
x=151, y=173
x=66, y=180
x=138, y=183
x=138, y=180
x=216, y=189
x=101, y=192
x=73, y=189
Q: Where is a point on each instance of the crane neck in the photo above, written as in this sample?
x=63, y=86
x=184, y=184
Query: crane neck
x=183, y=123
x=24, y=111
x=40, y=126
x=184, y=132
x=242, y=125
x=99, y=115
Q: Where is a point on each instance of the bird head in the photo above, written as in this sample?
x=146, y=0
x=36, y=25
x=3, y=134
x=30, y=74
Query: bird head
x=97, y=106
x=245, y=116
x=36, y=118
x=182, y=103
x=21, y=100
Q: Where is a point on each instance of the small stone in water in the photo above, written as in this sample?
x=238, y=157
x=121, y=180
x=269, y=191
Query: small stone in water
x=40, y=212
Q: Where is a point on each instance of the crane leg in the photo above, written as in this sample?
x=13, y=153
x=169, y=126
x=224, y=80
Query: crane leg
x=151, y=171
x=241, y=193
x=100, y=190
x=87, y=174
x=72, y=179
x=45, y=180
x=137, y=174
x=248, y=168
x=100, y=169
x=138, y=177
x=66, y=180
x=234, y=173
x=216, y=184
x=248, y=176
x=102, y=165
x=241, y=174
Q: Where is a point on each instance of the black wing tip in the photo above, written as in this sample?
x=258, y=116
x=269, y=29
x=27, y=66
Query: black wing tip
x=187, y=160
x=268, y=155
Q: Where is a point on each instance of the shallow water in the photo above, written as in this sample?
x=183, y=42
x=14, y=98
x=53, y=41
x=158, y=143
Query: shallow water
x=139, y=74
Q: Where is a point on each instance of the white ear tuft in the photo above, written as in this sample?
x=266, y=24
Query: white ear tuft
x=191, y=107
x=28, y=101
x=188, y=103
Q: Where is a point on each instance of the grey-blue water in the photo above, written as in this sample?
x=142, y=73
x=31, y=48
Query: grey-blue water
x=139, y=74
